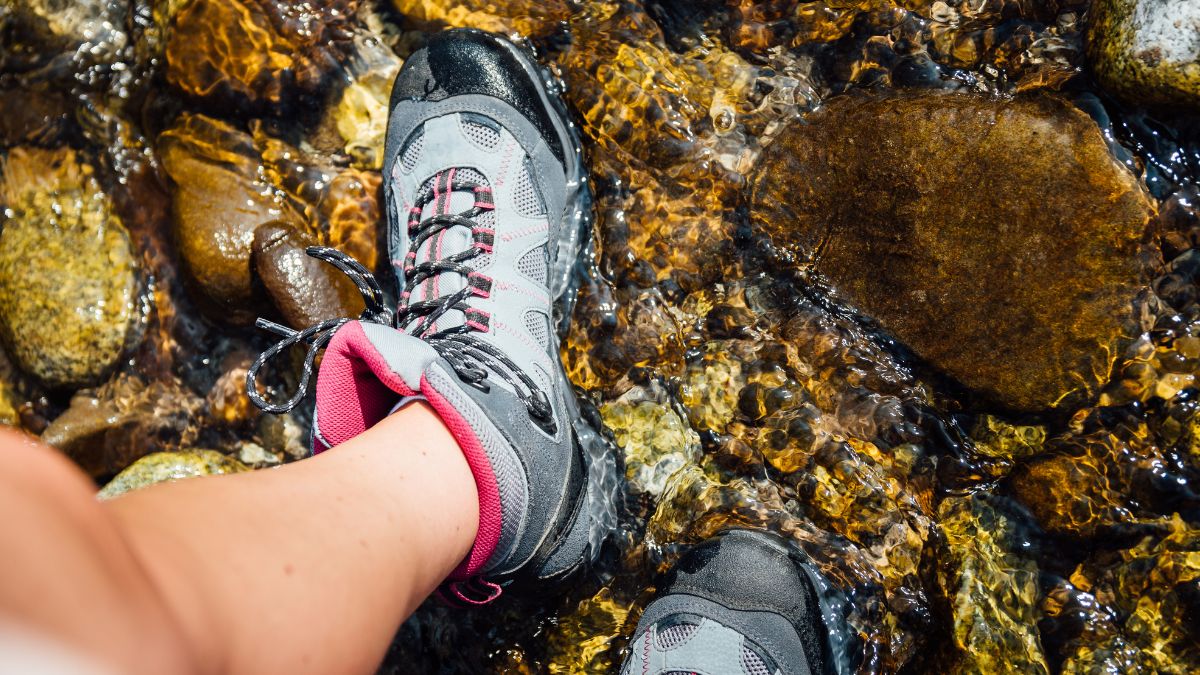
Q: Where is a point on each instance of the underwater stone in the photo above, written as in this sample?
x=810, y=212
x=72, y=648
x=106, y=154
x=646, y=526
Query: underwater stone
x=1147, y=51
x=530, y=18
x=163, y=467
x=106, y=429
x=1152, y=590
x=991, y=589
x=997, y=238
x=305, y=290
x=259, y=53
x=361, y=111
x=218, y=201
x=656, y=441
x=68, y=273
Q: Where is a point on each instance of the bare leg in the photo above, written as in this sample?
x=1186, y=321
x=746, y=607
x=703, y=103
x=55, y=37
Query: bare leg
x=310, y=567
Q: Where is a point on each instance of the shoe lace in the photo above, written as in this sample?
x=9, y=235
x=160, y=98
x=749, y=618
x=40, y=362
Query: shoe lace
x=472, y=359
x=318, y=335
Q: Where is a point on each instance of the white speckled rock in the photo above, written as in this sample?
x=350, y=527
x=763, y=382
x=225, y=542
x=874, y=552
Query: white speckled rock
x=1148, y=50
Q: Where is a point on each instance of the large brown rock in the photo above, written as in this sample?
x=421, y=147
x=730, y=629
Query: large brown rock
x=996, y=238
x=218, y=200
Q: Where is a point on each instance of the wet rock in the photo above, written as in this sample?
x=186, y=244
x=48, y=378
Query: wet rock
x=671, y=133
x=526, y=17
x=9, y=403
x=656, y=441
x=218, y=201
x=584, y=641
x=106, y=429
x=254, y=455
x=361, y=111
x=1151, y=590
x=255, y=53
x=1147, y=51
x=87, y=32
x=1019, y=290
x=217, y=204
x=164, y=467
x=227, y=401
x=33, y=116
x=992, y=589
x=284, y=435
x=1121, y=485
x=350, y=214
x=305, y=290
x=68, y=274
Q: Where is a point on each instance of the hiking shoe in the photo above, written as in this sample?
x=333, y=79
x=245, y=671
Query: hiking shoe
x=741, y=602
x=487, y=200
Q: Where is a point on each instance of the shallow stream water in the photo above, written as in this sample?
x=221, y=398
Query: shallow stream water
x=900, y=280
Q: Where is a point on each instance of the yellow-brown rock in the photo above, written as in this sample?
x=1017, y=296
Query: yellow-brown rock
x=68, y=275
x=106, y=429
x=254, y=52
x=997, y=238
x=164, y=467
x=218, y=201
x=991, y=589
x=524, y=17
x=305, y=290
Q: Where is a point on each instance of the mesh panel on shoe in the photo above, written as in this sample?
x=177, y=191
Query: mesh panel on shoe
x=672, y=637
x=535, y=264
x=538, y=325
x=480, y=132
x=413, y=149
x=527, y=200
x=753, y=664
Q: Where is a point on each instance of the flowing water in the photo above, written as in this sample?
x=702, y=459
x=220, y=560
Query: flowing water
x=895, y=278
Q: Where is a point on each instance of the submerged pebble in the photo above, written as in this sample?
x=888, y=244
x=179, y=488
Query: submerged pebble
x=1148, y=50
x=165, y=467
x=68, y=273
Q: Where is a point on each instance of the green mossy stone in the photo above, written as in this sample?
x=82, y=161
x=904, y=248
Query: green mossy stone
x=161, y=467
x=68, y=272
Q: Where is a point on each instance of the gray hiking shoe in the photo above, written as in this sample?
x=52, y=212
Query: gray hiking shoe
x=487, y=201
x=741, y=602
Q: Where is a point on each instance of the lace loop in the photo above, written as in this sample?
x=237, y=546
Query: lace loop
x=318, y=335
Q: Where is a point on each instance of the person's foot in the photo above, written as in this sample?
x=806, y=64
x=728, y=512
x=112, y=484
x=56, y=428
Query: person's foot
x=741, y=602
x=486, y=196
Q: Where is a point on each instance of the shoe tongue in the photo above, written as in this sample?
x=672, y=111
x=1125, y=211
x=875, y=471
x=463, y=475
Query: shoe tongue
x=449, y=241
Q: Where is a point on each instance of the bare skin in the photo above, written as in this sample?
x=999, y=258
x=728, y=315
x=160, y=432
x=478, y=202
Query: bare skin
x=307, y=568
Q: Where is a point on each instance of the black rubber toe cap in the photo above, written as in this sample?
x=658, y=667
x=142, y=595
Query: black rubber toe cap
x=468, y=61
x=748, y=570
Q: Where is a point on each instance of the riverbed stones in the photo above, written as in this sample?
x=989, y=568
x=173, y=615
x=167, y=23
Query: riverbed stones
x=305, y=290
x=531, y=18
x=255, y=53
x=992, y=589
x=162, y=467
x=218, y=201
x=1147, y=51
x=68, y=273
x=106, y=429
x=997, y=238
